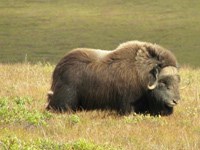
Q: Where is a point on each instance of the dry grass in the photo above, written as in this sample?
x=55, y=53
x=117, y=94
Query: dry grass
x=178, y=131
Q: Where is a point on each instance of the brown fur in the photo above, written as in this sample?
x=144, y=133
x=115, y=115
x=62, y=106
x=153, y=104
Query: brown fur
x=93, y=79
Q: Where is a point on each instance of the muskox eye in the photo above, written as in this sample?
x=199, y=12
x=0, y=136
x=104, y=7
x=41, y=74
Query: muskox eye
x=162, y=84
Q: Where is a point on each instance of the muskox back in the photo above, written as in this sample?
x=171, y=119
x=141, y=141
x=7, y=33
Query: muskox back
x=99, y=79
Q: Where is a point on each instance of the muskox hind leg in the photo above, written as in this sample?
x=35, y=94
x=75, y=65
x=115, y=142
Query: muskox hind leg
x=63, y=99
x=125, y=108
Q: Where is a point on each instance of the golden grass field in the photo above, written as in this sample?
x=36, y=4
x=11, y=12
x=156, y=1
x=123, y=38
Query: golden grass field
x=24, y=123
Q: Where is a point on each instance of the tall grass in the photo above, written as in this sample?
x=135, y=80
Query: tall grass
x=24, y=123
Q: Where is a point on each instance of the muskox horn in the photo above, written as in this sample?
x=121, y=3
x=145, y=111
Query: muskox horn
x=155, y=74
x=151, y=87
x=170, y=70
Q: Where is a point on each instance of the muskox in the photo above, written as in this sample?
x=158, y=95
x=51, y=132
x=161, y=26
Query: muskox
x=138, y=77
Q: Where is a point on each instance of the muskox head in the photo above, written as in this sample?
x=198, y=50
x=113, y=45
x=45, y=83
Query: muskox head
x=163, y=89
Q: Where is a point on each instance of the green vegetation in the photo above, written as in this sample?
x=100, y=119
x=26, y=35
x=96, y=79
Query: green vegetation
x=25, y=124
x=44, y=30
x=17, y=112
x=14, y=143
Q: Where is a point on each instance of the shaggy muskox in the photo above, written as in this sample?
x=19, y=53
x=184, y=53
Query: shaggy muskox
x=136, y=77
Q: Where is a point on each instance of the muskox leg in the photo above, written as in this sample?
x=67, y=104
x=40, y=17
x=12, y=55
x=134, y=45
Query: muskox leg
x=125, y=108
x=63, y=98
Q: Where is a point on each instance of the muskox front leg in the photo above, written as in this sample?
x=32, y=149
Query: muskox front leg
x=63, y=98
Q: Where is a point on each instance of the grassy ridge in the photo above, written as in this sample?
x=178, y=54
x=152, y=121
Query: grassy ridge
x=45, y=30
x=24, y=124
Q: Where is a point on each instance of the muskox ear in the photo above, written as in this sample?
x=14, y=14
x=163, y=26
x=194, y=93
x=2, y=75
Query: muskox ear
x=153, y=78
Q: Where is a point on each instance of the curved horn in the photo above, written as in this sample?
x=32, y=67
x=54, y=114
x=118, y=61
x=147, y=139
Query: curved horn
x=170, y=70
x=153, y=86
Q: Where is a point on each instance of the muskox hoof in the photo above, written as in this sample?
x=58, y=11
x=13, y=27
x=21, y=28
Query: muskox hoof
x=56, y=108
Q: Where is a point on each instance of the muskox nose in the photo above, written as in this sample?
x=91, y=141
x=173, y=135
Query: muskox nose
x=175, y=101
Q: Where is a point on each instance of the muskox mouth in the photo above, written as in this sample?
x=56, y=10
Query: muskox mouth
x=171, y=103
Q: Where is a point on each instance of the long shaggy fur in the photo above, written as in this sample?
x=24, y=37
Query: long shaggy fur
x=99, y=79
